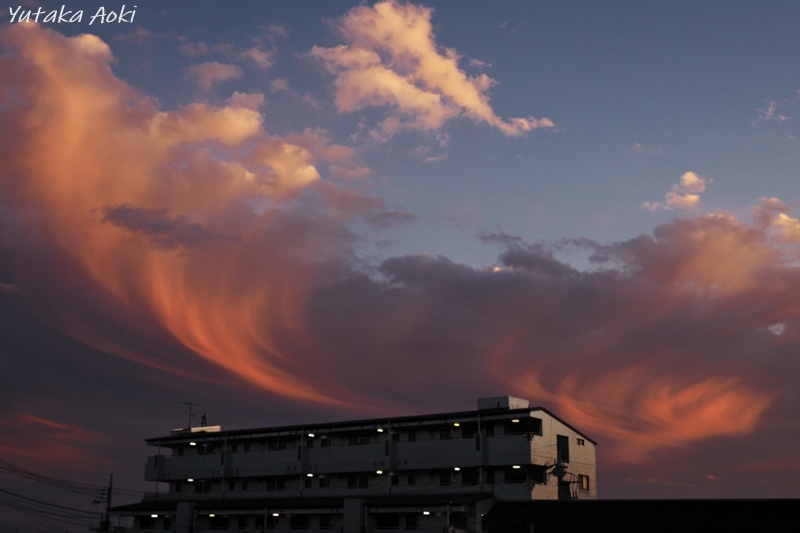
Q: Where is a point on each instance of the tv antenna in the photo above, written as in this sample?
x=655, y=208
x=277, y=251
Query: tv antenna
x=190, y=407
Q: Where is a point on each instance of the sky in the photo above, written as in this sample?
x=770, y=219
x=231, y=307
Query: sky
x=306, y=212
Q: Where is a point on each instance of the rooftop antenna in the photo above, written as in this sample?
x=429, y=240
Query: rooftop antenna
x=190, y=406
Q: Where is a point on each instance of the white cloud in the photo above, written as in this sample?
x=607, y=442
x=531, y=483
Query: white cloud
x=392, y=60
x=684, y=195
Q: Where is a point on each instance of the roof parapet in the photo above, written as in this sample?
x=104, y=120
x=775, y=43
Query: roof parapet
x=502, y=402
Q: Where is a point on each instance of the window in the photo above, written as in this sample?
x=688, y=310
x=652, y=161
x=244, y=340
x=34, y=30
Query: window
x=358, y=482
x=325, y=522
x=234, y=448
x=444, y=478
x=219, y=522
x=325, y=443
x=387, y=521
x=247, y=447
x=180, y=452
x=147, y=522
x=232, y=485
x=299, y=522
x=167, y=523
x=395, y=437
x=241, y=523
x=470, y=477
x=308, y=482
x=516, y=475
x=446, y=434
x=412, y=521
x=324, y=482
x=244, y=485
x=412, y=436
x=562, y=444
x=276, y=484
x=177, y=487
x=584, y=482
x=411, y=480
x=395, y=479
x=581, y=442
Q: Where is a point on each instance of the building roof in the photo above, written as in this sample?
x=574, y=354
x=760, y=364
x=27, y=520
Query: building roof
x=183, y=435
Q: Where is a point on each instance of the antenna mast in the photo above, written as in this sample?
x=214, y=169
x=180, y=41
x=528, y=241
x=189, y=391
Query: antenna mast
x=190, y=406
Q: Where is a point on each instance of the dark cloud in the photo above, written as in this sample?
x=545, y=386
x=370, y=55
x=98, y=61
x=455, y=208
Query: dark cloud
x=164, y=230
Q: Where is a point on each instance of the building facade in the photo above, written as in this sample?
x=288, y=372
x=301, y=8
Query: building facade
x=439, y=472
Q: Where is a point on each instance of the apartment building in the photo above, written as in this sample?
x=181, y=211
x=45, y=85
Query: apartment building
x=437, y=472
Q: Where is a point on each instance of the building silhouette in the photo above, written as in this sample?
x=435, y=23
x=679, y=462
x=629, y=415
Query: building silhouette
x=437, y=472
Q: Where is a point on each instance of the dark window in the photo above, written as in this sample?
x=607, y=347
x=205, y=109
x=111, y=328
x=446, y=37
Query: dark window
x=581, y=442
x=446, y=434
x=470, y=477
x=299, y=521
x=219, y=522
x=241, y=522
x=177, y=487
x=324, y=482
x=234, y=448
x=180, y=452
x=244, y=485
x=308, y=482
x=412, y=479
x=247, y=447
x=395, y=437
x=395, y=479
x=310, y=443
x=387, y=521
x=412, y=521
x=232, y=485
x=147, y=522
x=563, y=448
x=386, y=445
x=490, y=476
x=325, y=522
x=516, y=475
x=167, y=523
x=412, y=436
x=325, y=442
x=358, y=482
x=444, y=478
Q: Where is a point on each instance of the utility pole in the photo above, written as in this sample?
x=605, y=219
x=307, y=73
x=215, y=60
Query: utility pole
x=105, y=525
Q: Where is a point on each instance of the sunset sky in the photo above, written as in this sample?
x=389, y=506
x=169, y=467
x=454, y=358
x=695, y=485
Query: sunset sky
x=296, y=212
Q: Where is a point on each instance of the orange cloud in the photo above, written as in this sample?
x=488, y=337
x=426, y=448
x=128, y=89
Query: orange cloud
x=392, y=60
x=142, y=202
